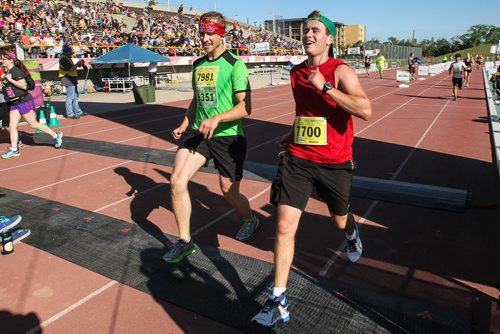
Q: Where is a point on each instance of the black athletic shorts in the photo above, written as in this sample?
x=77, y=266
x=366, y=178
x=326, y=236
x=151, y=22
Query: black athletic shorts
x=228, y=152
x=457, y=82
x=297, y=178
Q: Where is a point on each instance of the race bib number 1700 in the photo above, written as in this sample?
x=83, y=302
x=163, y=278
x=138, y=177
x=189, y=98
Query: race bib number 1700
x=206, y=89
x=310, y=131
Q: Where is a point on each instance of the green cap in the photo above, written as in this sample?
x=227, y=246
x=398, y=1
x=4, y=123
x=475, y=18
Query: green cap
x=327, y=22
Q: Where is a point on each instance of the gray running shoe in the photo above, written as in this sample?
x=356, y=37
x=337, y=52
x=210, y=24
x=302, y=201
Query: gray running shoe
x=247, y=229
x=354, y=246
x=178, y=251
x=274, y=312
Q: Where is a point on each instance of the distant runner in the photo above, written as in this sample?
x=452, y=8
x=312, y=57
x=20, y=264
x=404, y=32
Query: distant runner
x=380, y=61
x=457, y=68
x=469, y=61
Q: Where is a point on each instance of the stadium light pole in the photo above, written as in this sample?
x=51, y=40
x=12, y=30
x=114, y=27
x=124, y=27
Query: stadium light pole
x=215, y=5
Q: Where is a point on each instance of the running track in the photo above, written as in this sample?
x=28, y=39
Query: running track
x=415, y=135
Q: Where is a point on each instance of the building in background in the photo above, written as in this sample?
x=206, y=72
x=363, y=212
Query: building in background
x=293, y=28
x=354, y=33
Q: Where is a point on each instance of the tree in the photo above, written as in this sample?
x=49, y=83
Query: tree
x=393, y=40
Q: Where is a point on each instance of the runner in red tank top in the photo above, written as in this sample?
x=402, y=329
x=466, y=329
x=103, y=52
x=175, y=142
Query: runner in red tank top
x=327, y=94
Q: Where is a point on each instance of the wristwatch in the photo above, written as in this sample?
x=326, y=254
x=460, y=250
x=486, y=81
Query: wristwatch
x=326, y=87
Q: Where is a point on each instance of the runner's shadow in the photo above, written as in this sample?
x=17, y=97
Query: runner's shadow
x=18, y=323
x=196, y=285
x=202, y=207
x=146, y=198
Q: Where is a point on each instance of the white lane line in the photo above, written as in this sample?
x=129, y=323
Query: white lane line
x=129, y=197
x=71, y=308
x=76, y=177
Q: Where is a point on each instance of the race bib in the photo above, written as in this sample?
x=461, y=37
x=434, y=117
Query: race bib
x=310, y=131
x=206, y=89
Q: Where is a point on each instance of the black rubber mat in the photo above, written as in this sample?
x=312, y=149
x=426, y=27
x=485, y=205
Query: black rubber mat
x=217, y=284
x=421, y=195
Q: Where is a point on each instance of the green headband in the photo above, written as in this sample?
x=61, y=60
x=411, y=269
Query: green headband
x=327, y=22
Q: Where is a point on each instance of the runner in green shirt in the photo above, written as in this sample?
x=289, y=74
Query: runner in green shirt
x=380, y=61
x=211, y=129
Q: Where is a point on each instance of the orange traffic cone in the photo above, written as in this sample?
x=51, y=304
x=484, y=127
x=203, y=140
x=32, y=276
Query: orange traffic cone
x=53, y=121
x=42, y=120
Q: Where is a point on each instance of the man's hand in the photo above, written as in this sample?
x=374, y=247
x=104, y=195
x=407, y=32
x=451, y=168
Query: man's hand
x=316, y=79
x=177, y=133
x=208, y=126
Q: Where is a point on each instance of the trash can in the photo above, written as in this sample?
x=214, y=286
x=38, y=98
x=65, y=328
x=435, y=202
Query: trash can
x=140, y=94
x=144, y=94
x=151, y=93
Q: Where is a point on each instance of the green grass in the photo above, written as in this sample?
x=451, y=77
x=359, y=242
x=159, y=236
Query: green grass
x=482, y=49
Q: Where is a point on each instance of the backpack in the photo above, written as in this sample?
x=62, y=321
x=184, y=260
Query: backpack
x=30, y=83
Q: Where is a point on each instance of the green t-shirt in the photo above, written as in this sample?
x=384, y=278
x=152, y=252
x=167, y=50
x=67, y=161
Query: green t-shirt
x=380, y=60
x=215, y=83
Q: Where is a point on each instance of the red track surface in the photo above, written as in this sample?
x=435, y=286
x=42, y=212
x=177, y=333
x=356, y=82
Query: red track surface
x=415, y=135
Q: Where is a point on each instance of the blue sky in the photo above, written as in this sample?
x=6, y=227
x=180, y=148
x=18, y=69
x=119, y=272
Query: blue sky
x=436, y=18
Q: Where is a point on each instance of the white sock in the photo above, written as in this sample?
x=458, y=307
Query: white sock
x=351, y=236
x=278, y=291
x=54, y=136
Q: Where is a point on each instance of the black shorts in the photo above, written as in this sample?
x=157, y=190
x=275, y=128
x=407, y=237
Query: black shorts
x=412, y=69
x=457, y=82
x=297, y=178
x=368, y=65
x=228, y=152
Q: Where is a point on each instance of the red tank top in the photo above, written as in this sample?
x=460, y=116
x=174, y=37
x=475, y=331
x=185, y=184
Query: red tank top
x=310, y=102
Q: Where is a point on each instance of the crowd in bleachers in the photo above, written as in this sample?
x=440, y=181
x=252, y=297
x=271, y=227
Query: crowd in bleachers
x=94, y=28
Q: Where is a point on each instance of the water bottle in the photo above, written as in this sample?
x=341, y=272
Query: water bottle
x=7, y=244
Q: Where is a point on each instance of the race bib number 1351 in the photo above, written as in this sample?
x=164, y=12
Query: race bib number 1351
x=206, y=89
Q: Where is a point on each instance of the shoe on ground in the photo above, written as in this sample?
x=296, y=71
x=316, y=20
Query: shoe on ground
x=74, y=117
x=20, y=234
x=273, y=312
x=10, y=153
x=354, y=246
x=247, y=229
x=84, y=114
x=179, y=251
x=58, y=140
x=7, y=223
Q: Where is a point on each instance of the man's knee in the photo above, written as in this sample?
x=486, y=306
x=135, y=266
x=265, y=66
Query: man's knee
x=177, y=184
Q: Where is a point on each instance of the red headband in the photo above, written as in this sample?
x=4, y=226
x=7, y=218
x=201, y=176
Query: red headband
x=211, y=27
